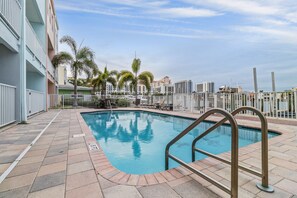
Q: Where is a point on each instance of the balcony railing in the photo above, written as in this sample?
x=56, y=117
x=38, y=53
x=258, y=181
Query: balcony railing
x=50, y=67
x=51, y=70
x=34, y=44
x=271, y=104
x=7, y=104
x=10, y=11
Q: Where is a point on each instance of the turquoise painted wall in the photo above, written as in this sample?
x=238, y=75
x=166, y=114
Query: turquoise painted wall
x=40, y=32
x=10, y=72
x=35, y=81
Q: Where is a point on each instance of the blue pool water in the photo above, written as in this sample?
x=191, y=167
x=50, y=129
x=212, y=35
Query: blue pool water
x=135, y=141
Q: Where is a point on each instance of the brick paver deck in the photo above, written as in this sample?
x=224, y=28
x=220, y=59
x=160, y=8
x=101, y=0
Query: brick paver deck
x=61, y=165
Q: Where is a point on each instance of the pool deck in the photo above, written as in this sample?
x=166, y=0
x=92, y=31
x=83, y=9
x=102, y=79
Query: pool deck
x=60, y=163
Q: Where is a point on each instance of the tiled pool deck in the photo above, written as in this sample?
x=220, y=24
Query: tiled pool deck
x=60, y=165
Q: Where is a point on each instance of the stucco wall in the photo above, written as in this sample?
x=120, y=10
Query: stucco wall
x=10, y=72
x=35, y=81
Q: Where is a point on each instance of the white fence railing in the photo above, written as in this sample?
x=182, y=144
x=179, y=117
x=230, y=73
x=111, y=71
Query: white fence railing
x=34, y=44
x=10, y=10
x=7, y=104
x=279, y=104
x=35, y=102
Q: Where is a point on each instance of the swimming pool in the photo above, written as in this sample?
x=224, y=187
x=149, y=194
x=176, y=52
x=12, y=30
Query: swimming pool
x=134, y=141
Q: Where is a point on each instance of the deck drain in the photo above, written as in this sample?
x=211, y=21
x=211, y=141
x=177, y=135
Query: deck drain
x=79, y=135
x=93, y=146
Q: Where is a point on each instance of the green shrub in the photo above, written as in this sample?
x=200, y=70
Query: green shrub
x=122, y=102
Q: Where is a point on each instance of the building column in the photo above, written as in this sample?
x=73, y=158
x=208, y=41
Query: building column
x=23, y=65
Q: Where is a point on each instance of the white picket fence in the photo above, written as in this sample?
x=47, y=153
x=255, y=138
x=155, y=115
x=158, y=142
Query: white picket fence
x=7, y=104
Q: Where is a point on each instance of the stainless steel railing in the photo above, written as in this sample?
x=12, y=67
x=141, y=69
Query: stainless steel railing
x=264, y=186
x=233, y=191
x=110, y=106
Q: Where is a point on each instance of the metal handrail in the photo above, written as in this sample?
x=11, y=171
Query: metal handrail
x=234, y=152
x=264, y=144
x=110, y=106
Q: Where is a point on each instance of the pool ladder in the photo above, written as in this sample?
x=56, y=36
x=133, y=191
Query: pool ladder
x=110, y=106
x=233, y=191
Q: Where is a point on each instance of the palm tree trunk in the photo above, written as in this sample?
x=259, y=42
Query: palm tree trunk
x=136, y=90
x=103, y=91
x=75, y=89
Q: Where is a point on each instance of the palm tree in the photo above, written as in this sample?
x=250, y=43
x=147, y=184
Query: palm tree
x=145, y=78
x=81, y=61
x=103, y=78
x=118, y=77
x=80, y=82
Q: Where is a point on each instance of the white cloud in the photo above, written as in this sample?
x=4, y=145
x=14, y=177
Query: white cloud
x=275, y=22
x=188, y=12
x=292, y=17
x=138, y=8
x=283, y=35
x=137, y=3
x=93, y=11
x=285, y=11
x=238, y=6
x=111, y=12
x=175, y=35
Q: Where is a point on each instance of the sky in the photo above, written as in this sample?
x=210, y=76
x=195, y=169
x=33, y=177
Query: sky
x=199, y=40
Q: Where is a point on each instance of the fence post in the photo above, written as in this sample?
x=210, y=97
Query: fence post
x=191, y=109
x=215, y=100
x=295, y=103
x=224, y=102
x=63, y=101
x=205, y=101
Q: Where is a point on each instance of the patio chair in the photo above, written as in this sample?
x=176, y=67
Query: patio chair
x=168, y=107
x=160, y=105
x=178, y=106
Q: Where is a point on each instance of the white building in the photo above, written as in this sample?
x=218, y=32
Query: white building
x=164, y=89
x=162, y=86
x=227, y=89
x=28, y=41
x=141, y=89
x=62, y=75
x=205, y=87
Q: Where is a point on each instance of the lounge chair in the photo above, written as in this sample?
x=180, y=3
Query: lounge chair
x=178, y=106
x=168, y=107
x=160, y=105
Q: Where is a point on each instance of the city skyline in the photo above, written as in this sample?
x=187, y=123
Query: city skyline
x=218, y=41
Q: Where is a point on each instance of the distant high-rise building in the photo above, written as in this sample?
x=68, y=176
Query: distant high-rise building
x=183, y=87
x=199, y=87
x=205, y=87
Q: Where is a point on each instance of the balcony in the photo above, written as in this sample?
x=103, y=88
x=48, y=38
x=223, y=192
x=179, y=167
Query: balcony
x=35, y=10
x=34, y=45
x=52, y=71
x=10, y=11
